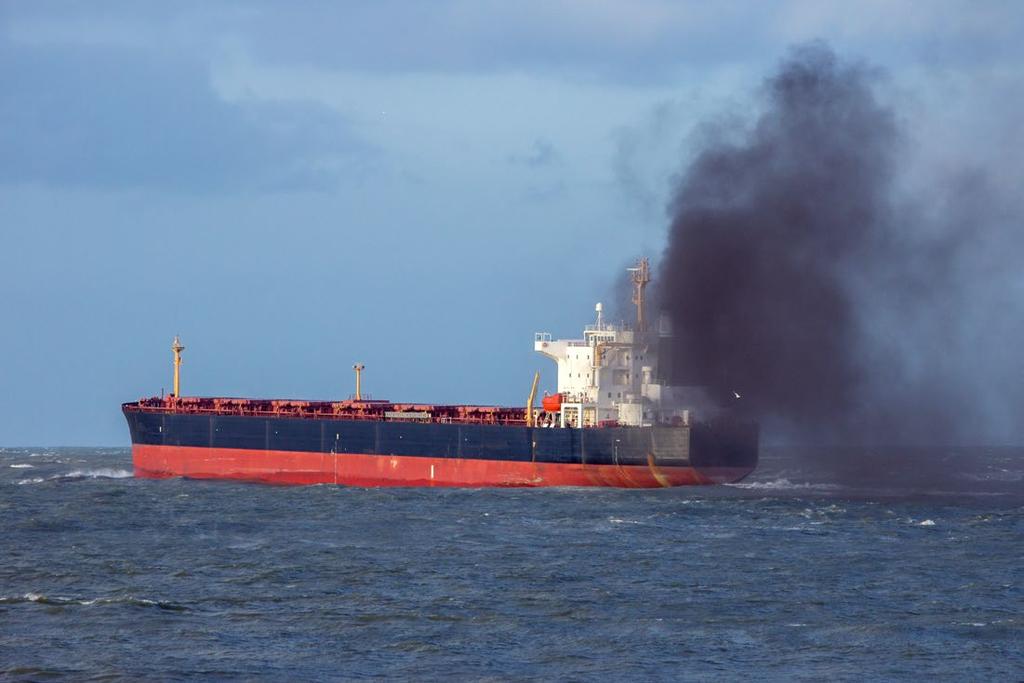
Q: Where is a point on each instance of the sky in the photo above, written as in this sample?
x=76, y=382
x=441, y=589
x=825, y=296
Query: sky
x=294, y=187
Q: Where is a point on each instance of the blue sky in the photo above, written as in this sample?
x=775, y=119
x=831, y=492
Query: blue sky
x=293, y=187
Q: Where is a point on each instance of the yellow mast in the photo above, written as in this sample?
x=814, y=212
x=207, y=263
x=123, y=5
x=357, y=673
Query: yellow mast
x=529, y=401
x=177, y=348
x=358, y=367
x=640, y=275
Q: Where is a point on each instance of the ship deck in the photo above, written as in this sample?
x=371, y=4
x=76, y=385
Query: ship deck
x=334, y=410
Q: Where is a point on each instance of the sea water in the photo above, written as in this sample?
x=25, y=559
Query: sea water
x=825, y=564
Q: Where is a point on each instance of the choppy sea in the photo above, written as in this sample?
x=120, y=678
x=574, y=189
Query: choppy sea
x=839, y=564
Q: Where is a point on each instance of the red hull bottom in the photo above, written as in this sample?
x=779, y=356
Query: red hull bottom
x=357, y=469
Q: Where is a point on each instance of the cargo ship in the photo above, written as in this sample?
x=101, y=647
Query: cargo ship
x=615, y=420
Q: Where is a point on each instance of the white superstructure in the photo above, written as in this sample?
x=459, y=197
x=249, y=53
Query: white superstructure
x=610, y=375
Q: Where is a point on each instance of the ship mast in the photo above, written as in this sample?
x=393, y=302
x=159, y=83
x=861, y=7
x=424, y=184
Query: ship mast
x=177, y=348
x=359, y=367
x=641, y=275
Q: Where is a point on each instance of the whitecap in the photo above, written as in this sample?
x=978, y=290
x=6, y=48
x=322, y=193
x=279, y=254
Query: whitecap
x=88, y=602
x=33, y=480
x=102, y=473
x=783, y=484
x=616, y=520
x=22, y=466
x=927, y=522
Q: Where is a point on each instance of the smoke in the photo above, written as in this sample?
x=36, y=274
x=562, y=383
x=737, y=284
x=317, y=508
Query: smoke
x=804, y=273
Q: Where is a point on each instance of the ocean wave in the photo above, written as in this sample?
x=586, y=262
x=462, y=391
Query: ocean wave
x=954, y=493
x=783, y=484
x=22, y=466
x=87, y=602
x=102, y=473
x=1000, y=475
x=80, y=475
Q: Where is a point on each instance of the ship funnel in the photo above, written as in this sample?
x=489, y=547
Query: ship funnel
x=600, y=309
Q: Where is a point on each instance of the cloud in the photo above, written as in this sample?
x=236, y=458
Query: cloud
x=102, y=116
x=542, y=153
x=643, y=41
x=636, y=42
x=640, y=42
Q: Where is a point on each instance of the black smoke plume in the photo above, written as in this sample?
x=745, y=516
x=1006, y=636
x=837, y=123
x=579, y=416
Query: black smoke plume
x=802, y=276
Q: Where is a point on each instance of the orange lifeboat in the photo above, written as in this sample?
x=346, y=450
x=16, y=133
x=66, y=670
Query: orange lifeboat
x=552, y=403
